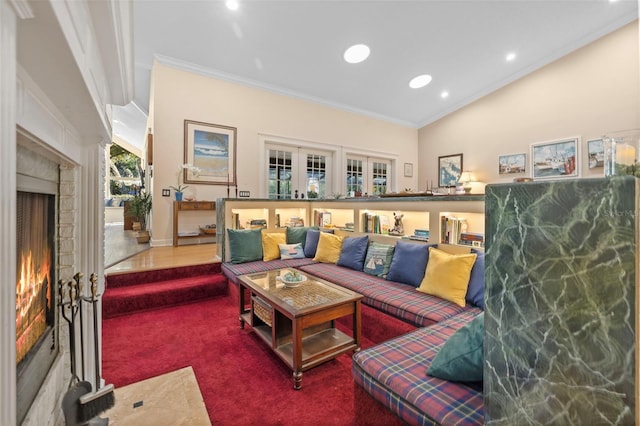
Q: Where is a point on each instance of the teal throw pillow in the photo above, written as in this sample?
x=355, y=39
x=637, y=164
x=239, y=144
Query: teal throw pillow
x=378, y=259
x=298, y=234
x=245, y=245
x=461, y=358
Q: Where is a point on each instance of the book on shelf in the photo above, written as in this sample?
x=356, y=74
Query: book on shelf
x=472, y=239
x=451, y=228
x=295, y=222
x=257, y=223
x=322, y=219
x=375, y=224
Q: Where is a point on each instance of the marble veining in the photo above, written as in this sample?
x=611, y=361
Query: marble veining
x=560, y=319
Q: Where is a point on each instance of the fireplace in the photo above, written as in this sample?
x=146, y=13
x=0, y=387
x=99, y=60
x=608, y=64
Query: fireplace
x=36, y=316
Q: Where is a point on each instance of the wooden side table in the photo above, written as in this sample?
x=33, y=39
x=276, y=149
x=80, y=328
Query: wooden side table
x=185, y=206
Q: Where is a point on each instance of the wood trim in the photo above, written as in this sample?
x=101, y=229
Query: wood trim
x=150, y=149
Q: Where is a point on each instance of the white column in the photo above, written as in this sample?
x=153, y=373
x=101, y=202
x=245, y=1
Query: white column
x=7, y=214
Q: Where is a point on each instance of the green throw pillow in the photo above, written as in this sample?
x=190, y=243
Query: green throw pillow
x=298, y=234
x=245, y=245
x=461, y=358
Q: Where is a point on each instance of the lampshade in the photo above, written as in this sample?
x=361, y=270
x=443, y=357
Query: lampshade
x=465, y=177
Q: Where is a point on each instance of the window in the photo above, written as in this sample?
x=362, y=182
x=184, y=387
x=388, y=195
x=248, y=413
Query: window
x=295, y=172
x=366, y=175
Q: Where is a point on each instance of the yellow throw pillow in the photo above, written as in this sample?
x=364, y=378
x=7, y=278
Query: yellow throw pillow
x=447, y=275
x=270, y=247
x=329, y=248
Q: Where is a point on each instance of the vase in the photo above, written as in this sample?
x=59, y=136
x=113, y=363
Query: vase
x=178, y=196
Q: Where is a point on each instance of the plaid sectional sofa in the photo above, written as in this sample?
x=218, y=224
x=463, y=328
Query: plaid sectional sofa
x=394, y=372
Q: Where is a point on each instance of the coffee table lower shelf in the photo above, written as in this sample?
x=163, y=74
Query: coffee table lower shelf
x=317, y=348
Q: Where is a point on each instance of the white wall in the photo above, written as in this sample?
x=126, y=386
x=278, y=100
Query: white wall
x=178, y=95
x=588, y=93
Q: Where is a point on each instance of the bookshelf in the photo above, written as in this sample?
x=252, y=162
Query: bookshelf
x=421, y=214
x=291, y=216
x=462, y=228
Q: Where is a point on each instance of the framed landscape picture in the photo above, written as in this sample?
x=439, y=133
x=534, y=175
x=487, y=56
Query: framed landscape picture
x=211, y=148
x=449, y=170
x=512, y=163
x=555, y=159
x=596, y=153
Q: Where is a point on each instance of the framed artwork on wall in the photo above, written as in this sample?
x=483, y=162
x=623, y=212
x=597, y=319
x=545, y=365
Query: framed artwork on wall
x=512, y=163
x=449, y=170
x=555, y=159
x=596, y=153
x=211, y=149
x=408, y=169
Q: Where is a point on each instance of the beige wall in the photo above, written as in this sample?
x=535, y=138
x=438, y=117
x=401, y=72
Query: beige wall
x=588, y=93
x=178, y=95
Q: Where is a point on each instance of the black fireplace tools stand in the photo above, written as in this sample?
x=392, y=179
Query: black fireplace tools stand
x=81, y=405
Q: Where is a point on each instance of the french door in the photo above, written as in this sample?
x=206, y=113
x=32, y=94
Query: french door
x=295, y=172
x=367, y=175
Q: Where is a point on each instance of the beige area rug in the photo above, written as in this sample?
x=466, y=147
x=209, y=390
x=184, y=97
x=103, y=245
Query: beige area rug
x=172, y=399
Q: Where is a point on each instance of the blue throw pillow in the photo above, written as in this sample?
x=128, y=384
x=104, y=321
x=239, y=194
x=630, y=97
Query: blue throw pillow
x=409, y=263
x=475, y=291
x=245, y=245
x=354, y=250
x=461, y=358
x=378, y=259
x=311, y=241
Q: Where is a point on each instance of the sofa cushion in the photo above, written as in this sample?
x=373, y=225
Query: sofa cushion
x=354, y=250
x=461, y=358
x=271, y=245
x=329, y=247
x=409, y=263
x=291, y=251
x=398, y=300
x=232, y=271
x=378, y=259
x=475, y=292
x=393, y=373
x=298, y=234
x=447, y=275
x=245, y=245
x=311, y=241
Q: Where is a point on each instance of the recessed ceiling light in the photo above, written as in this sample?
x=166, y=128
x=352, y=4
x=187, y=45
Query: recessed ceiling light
x=420, y=81
x=511, y=56
x=356, y=53
x=444, y=95
x=232, y=4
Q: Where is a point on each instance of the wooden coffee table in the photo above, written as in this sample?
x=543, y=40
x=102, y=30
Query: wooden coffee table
x=299, y=323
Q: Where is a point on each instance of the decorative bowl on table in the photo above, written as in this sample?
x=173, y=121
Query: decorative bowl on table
x=292, y=279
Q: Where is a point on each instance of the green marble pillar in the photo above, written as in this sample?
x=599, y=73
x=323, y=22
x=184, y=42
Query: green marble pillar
x=560, y=319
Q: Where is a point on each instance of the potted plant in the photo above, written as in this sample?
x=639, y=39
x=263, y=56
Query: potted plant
x=139, y=209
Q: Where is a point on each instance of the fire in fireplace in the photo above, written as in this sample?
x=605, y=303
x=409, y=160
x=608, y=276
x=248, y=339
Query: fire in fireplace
x=36, y=345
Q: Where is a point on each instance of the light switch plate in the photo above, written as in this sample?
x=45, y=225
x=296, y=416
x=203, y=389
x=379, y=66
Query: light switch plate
x=166, y=193
x=244, y=194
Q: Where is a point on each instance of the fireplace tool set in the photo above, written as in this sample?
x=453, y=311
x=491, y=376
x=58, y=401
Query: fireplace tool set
x=81, y=405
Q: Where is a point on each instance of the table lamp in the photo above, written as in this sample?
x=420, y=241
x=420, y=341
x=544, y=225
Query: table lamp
x=466, y=179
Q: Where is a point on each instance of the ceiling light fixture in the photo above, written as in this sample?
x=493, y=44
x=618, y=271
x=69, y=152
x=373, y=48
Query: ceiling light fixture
x=232, y=4
x=356, y=53
x=444, y=95
x=510, y=57
x=420, y=81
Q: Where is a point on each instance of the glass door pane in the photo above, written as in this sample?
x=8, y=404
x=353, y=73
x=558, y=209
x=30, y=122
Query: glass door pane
x=379, y=178
x=316, y=172
x=354, y=177
x=280, y=174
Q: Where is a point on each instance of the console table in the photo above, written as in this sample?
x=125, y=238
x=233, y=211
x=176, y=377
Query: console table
x=186, y=206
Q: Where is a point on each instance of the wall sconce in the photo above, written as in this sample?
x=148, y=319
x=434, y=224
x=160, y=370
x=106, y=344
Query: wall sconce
x=465, y=179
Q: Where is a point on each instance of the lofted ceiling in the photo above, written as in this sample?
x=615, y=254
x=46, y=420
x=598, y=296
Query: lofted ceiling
x=296, y=47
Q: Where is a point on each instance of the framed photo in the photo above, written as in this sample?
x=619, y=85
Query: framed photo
x=408, y=169
x=449, y=170
x=512, y=163
x=211, y=148
x=596, y=153
x=555, y=159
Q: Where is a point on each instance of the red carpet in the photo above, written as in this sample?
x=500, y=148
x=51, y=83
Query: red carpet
x=241, y=380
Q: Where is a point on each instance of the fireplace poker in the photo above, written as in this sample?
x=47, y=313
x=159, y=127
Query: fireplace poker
x=93, y=404
x=78, y=289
